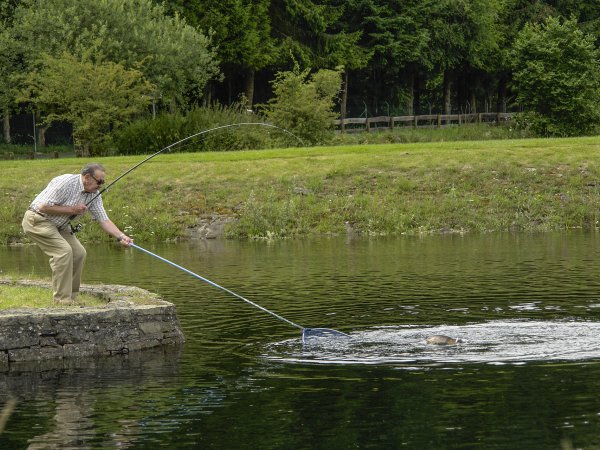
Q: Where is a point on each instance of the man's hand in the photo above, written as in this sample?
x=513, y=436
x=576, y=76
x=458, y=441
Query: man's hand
x=124, y=240
x=78, y=209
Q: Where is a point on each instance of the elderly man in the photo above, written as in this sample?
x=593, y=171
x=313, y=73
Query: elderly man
x=47, y=223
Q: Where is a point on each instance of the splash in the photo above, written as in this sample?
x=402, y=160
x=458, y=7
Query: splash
x=496, y=342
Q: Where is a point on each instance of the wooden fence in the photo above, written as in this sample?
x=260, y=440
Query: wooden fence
x=430, y=120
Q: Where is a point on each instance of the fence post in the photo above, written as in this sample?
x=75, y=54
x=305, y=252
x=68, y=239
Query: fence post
x=439, y=121
x=415, y=121
x=392, y=123
x=368, y=126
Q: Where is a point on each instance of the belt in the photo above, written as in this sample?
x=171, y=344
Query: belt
x=31, y=208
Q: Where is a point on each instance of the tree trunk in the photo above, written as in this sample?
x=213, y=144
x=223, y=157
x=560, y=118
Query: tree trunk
x=410, y=101
x=344, y=102
x=249, y=88
x=417, y=94
x=41, y=135
x=6, y=121
x=473, y=102
x=208, y=93
x=447, y=93
x=229, y=90
x=85, y=151
x=501, y=99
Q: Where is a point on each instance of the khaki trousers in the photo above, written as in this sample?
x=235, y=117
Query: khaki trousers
x=67, y=255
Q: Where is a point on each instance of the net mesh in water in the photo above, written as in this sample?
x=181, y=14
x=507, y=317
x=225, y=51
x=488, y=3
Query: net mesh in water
x=314, y=335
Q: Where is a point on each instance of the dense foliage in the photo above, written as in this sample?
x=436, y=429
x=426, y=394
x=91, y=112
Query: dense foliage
x=170, y=58
x=409, y=57
x=90, y=96
x=304, y=103
x=150, y=135
x=557, y=78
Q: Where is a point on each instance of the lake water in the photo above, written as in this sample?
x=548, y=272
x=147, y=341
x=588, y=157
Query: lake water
x=526, y=375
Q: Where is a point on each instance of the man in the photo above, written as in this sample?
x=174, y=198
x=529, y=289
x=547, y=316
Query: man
x=47, y=223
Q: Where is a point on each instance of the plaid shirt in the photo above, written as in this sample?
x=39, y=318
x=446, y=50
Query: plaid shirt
x=67, y=190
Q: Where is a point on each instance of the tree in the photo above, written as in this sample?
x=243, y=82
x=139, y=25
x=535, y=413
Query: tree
x=258, y=37
x=94, y=97
x=303, y=103
x=7, y=8
x=557, y=77
x=240, y=30
x=464, y=38
x=397, y=37
x=513, y=16
x=172, y=55
x=448, y=44
x=5, y=91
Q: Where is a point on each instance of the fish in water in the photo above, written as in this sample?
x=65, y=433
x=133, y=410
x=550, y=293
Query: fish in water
x=439, y=339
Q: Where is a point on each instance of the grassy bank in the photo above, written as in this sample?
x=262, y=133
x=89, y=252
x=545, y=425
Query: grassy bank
x=14, y=296
x=475, y=186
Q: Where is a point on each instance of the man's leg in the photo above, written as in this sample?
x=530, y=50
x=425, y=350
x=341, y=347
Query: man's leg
x=79, y=255
x=45, y=234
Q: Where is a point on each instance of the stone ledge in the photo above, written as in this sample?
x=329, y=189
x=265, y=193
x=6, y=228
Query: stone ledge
x=118, y=327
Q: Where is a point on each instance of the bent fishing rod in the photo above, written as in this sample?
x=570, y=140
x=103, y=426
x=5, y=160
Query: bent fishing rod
x=78, y=227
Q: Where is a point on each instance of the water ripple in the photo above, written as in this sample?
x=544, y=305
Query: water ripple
x=496, y=342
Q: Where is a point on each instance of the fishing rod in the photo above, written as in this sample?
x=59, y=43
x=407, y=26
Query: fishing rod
x=79, y=226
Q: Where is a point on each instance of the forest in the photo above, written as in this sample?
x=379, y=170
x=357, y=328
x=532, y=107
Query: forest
x=100, y=65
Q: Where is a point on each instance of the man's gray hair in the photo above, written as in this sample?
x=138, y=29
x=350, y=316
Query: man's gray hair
x=91, y=168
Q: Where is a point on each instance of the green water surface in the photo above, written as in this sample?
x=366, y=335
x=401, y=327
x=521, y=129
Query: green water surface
x=527, y=307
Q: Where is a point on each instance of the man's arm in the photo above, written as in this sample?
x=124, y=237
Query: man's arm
x=74, y=210
x=113, y=230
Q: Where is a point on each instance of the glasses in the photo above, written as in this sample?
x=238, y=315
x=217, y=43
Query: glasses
x=100, y=182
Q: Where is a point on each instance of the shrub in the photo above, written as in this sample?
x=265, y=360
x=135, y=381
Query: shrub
x=557, y=78
x=150, y=135
x=304, y=103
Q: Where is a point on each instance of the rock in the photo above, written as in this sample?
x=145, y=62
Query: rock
x=302, y=191
x=212, y=227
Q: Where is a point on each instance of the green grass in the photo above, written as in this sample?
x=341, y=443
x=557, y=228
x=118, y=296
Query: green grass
x=409, y=134
x=16, y=294
x=13, y=296
x=420, y=188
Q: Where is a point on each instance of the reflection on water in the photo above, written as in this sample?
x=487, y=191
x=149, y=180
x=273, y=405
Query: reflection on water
x=70, y=396
x=526, y=306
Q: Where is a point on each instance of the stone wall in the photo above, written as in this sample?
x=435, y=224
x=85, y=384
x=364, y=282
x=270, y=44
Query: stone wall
x=120, y=326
